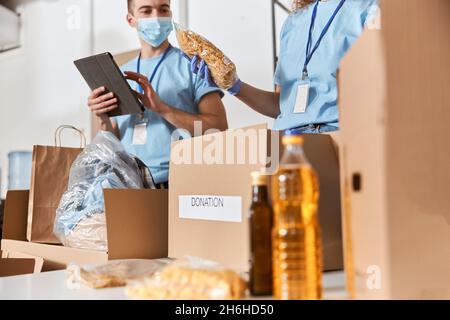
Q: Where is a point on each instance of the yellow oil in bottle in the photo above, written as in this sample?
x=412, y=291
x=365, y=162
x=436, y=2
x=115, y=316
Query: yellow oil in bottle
x=296, y=242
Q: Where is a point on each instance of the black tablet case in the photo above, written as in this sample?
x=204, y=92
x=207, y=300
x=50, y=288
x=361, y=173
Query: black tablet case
x=102, y=71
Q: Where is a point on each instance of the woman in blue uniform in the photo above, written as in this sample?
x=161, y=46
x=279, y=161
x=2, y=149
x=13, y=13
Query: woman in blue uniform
x=314, y=39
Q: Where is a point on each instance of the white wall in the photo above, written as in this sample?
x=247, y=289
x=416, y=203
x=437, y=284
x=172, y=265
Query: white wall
x=111, y=30
x=39, y=87
x=243, y=30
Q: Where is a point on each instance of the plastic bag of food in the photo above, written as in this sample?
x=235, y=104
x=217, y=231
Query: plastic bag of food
x=116, y=273
x=190, y=278
x=223, y=70
x=89, y=233
x=104, y=164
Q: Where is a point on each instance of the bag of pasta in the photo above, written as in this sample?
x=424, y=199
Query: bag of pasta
x=115, y=273
x=190, y=278
x=223, y=70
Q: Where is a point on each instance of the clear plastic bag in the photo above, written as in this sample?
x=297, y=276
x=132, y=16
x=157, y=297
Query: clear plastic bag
x=116, y=273
x=223, y=70
x=104, y=164
x=89, y=233
x=190, y=278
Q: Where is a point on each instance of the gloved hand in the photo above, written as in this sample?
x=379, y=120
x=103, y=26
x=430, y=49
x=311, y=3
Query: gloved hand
x=200, y=68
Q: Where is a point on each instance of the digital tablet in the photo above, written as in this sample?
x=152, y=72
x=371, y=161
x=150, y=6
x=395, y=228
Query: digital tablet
x=102, y=71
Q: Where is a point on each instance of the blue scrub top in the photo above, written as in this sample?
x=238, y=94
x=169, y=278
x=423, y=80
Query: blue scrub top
x=178, y=87
x=345, y=30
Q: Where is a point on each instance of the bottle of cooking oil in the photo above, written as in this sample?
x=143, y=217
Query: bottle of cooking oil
x=261, y=218
x=296, y=243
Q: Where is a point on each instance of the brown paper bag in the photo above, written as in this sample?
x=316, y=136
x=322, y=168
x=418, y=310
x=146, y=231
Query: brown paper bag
x=49, y=180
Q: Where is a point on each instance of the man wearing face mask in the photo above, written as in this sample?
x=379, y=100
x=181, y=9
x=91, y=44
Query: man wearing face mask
x=174, y=98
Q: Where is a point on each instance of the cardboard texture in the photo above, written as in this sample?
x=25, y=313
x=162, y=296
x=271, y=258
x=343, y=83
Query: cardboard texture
x=15, y=226
x=228, y=242
x=16, y=267
x=56, y=257
x=394, y=123
x=136, y=228
x=38, y=261
x=49, y=179
x=123, y=58
x=137, y=223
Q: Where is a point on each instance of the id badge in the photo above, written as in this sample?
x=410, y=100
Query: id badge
x=140, y=132
x=302, y=98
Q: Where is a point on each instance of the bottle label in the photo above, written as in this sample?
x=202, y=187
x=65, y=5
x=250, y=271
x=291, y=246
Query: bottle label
x=212, y=208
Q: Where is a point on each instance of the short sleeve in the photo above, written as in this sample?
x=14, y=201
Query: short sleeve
x=357, y=19
x=369, y=11
x=201, y=89
x=278, y=78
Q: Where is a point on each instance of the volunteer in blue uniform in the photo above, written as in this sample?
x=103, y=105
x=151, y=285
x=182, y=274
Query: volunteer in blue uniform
x=314, y=39
x=174, y=97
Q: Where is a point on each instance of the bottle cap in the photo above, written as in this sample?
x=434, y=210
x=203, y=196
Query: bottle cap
x=292, y=137
x=259, y=179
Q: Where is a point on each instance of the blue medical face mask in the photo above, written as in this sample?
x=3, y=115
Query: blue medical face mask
x=155, y=31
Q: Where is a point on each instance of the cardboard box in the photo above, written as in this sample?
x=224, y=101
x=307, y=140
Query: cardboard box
x=20, y=264
x=16, y=267
x=395, y=157
x=38, y=261
x=219, y=171
x=136, y=229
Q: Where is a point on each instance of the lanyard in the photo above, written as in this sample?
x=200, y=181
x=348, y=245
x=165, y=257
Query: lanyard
x=140, y=90
x=309, y=50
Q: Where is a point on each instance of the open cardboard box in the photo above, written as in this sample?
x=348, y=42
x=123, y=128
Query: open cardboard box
x=19, y=264
x=222, y=234
x=136, y=229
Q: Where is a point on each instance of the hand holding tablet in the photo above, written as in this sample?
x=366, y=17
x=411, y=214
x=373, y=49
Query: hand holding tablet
x=104, y=76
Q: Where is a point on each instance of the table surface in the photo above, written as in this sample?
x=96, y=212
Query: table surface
x=53, y=286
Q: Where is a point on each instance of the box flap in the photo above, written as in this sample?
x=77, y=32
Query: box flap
x=137, y=223
x=123, y=58
x=55, y=257
x=39, y=262
x=15, y=216
x=16, y=267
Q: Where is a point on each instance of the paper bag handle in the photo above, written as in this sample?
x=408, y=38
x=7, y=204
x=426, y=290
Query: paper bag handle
x=60, y=129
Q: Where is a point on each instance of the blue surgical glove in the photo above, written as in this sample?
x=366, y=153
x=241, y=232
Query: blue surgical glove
x=200, y=68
